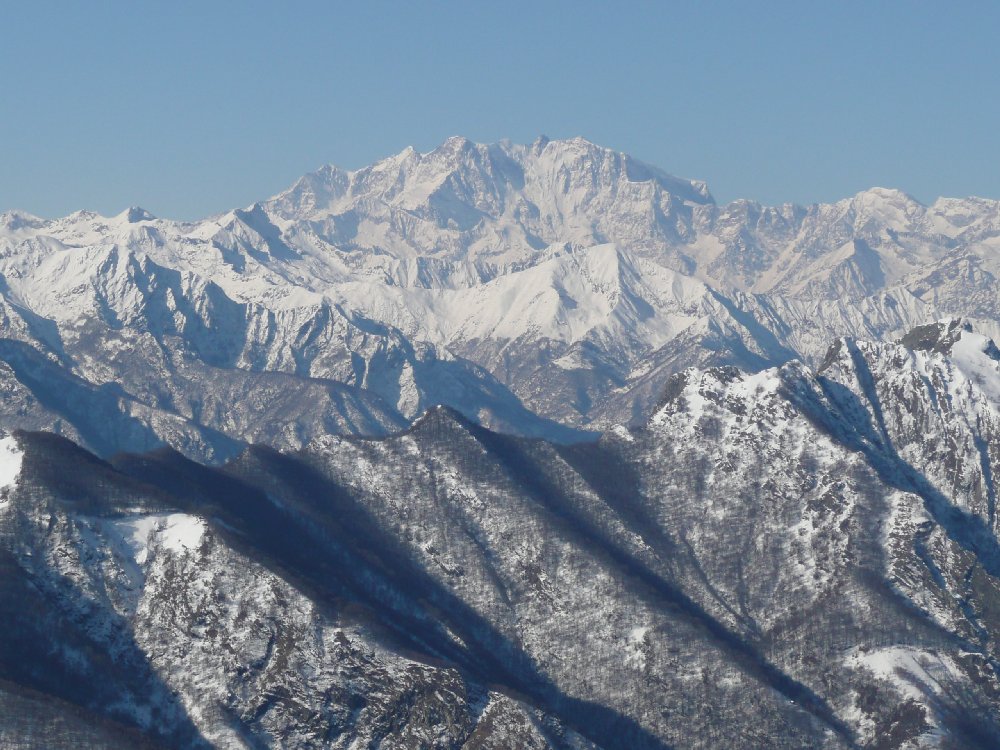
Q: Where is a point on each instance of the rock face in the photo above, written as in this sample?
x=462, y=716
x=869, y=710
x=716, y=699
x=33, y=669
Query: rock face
x=785, y=558
x=546, y=290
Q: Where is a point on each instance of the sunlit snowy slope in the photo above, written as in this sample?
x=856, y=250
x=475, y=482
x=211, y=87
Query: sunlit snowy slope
x=543, y=289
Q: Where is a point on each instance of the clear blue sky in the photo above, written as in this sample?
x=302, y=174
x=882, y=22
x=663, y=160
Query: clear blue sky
x=188, y=108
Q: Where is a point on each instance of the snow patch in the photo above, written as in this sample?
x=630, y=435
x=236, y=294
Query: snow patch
x=917, y=674
x=636, y=647
x=970, y=354
x=11, y=457
x=621, y=432
x=176, y=532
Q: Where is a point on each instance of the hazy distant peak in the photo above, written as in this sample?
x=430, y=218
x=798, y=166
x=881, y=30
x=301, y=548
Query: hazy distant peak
x=135, y=214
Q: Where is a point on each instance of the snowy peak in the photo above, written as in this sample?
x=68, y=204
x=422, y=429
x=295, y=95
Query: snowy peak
x=311, y=194
x=560, y=279
x=12, y=221
x=577, y=163
x=974, y=355
x=135, y=214
x=943, y=373
x=460, y=182
x=886, y=207
x=935, y=391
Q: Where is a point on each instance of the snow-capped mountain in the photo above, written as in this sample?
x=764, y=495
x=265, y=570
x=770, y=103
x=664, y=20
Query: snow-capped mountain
x=780, y=559
x=325, y=471
x=542, y=289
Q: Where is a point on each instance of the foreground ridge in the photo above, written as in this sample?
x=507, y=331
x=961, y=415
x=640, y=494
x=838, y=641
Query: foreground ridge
x=782, y=558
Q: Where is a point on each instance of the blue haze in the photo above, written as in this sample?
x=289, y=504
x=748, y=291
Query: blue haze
x=189, y=108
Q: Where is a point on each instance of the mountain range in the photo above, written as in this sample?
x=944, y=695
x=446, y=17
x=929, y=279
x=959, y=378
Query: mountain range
x=547, y=290
x=502, y=446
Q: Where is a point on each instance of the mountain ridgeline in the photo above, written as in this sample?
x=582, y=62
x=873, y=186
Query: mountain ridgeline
x=502, y=446
x=548, y=290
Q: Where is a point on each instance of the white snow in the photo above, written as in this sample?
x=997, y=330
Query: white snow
x=11, y=456
x=969, y=355
x=595, y=211
x=635, y=655
x=562, y=252
x=917, y=674
x=145, y=533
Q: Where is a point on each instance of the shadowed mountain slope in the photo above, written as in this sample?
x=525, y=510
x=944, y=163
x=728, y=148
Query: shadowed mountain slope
x=776, y=559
